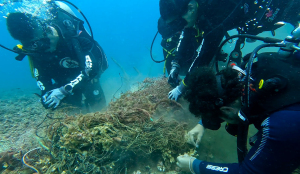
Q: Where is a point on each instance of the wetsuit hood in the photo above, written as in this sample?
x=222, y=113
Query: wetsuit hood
x=276, y=84
x=168, y=30
x=170, y=9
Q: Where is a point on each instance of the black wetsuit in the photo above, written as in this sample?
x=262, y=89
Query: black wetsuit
x=78, y=61
x=275, y=151
x=215, y=19
x=276, y=115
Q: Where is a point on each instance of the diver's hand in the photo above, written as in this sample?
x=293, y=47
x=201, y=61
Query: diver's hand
x=176, y=92
x=54, y=97
x=173, y=79
x=185, y=162
x=197, y=132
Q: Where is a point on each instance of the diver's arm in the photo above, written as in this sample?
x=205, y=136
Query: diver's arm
x=184, y=44
x=49, y=90
x=207, y=53
x=43, y=79
x=92, y=60
x=52, y=99
x=275, y=150
x=258, y=160
x=86, y=65
x=180, y=53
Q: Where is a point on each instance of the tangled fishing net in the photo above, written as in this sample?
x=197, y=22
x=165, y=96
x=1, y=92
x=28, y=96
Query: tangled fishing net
x=132, y=128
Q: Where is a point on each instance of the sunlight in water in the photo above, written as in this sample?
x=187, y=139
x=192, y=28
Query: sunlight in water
x=37, y=8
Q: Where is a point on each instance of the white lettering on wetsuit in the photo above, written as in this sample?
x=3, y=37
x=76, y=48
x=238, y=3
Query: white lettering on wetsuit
x=36, y=73
x=241, y=116
x=88, y=64
x=41, y=85
x=217, y=168
x=76, y=81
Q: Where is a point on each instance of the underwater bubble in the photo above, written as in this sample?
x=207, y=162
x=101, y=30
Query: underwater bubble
x=37, y=8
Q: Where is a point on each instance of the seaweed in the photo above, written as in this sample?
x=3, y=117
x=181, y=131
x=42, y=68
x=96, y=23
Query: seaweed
x=132, y=127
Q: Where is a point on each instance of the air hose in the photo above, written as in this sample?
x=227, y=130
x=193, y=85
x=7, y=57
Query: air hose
x=264, y=39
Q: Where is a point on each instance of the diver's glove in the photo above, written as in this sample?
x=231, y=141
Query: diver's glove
x=176, y=92
x=197, y=132
x=173, y=76
x=54, y=97
x=185, y=163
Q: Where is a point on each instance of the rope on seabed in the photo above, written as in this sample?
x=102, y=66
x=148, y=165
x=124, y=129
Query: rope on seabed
x=28, y=165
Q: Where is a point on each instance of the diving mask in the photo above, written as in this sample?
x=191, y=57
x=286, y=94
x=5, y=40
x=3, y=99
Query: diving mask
x=40, y=45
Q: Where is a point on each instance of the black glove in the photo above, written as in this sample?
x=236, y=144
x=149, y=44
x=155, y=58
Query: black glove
x=173, y=76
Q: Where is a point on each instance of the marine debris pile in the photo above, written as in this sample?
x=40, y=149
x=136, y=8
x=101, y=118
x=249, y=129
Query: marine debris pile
x=131, y=129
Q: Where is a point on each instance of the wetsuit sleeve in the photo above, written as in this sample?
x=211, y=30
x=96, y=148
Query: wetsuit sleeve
x=276, y=149
x=92, y=60
x=98, y=59
x=189, y=36
x=43, y=78
x=170, y=46
x=208, y=50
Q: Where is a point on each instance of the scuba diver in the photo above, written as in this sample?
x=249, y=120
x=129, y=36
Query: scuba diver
x=65, y=59
x=193, y=29
x=262, y=91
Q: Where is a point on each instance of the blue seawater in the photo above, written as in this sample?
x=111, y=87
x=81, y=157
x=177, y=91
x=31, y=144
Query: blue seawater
x=124, y=29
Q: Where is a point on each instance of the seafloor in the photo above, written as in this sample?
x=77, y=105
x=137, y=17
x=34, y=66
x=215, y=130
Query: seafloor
x=21, y=114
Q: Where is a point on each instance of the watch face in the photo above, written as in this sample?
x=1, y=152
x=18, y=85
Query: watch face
x=68, y=88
